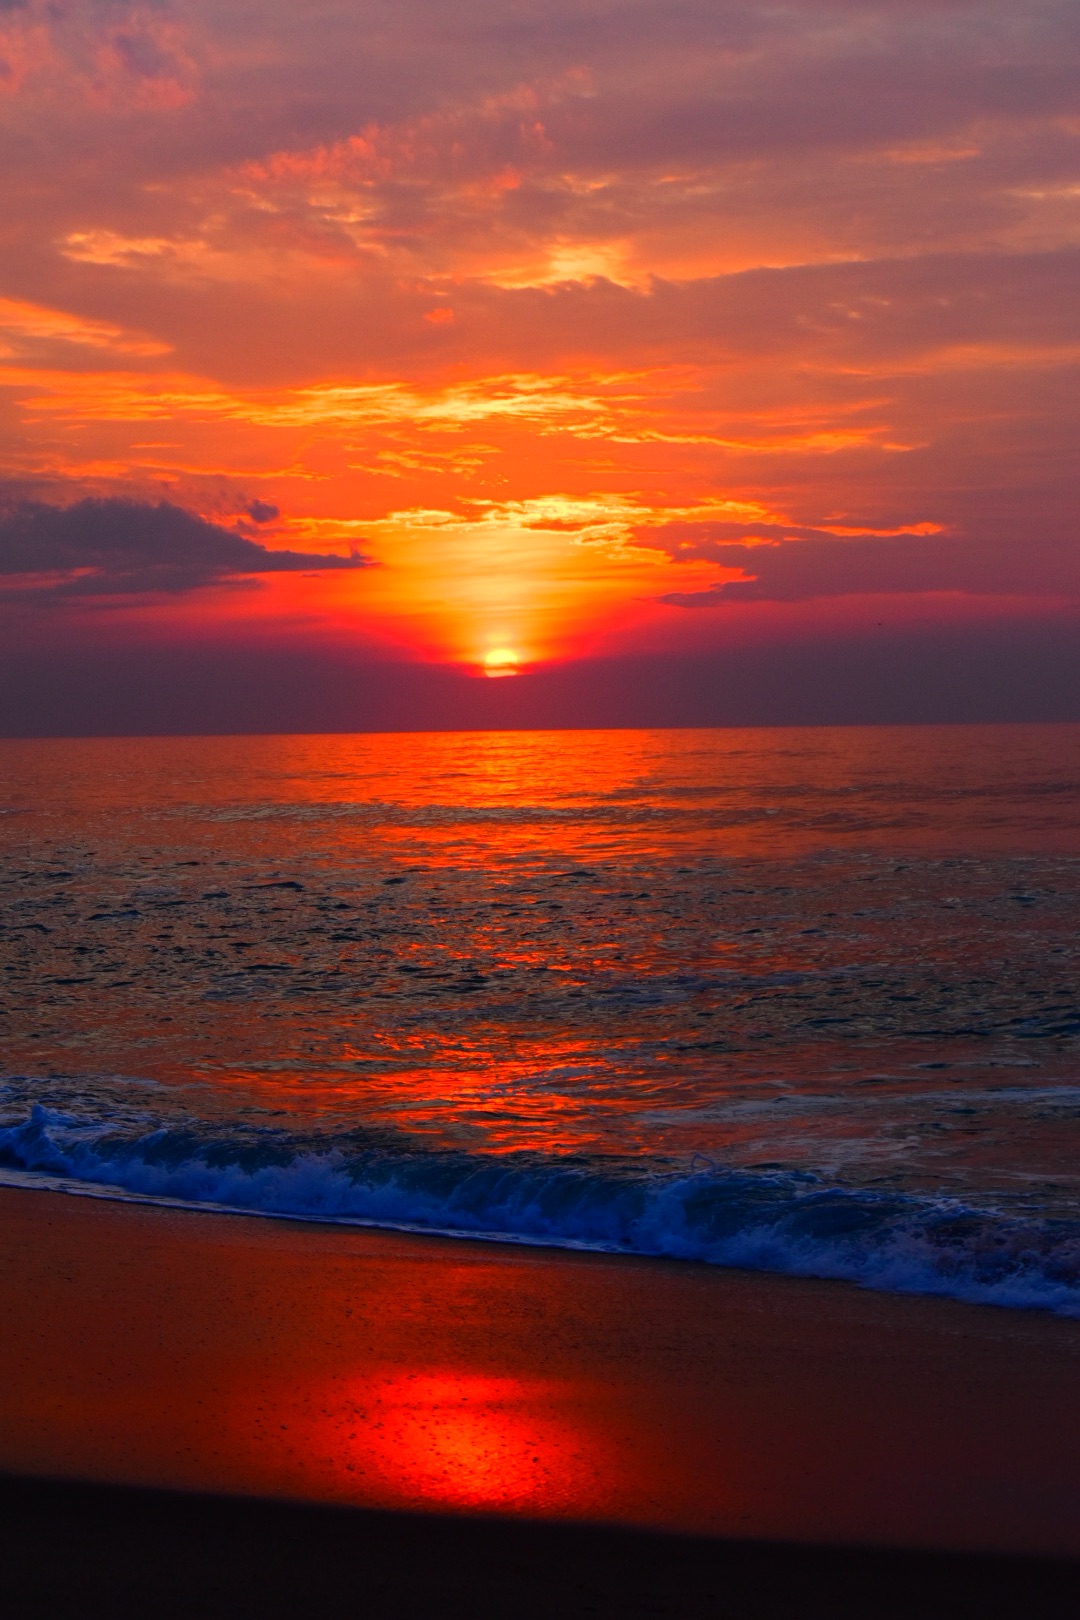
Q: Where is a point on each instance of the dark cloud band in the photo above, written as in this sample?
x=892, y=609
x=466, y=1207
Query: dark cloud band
x=126, y=548
x=807, y=567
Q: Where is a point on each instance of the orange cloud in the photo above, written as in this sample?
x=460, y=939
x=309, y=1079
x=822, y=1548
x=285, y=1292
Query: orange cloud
x=568, y=326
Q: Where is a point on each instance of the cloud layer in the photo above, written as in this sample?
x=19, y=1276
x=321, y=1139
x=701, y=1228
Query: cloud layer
x=572, y=313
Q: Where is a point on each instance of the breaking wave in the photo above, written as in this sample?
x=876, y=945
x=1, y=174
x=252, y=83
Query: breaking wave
x=766, y=1219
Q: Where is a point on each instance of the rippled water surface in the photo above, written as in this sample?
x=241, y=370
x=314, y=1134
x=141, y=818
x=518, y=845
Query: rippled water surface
x=797, y=999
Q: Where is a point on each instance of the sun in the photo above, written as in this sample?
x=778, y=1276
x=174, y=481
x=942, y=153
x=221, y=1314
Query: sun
x=501, y=661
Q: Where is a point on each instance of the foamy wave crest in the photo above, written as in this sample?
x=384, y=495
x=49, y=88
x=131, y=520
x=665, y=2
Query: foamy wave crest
x=769, y=1219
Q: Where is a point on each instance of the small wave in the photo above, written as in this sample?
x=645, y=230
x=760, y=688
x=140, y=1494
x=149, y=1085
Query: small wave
x=765, y=1219
x=378, y=813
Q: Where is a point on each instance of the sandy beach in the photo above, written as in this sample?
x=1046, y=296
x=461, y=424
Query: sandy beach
x=423, y=1378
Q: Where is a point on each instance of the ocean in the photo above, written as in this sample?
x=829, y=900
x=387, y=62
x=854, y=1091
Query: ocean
x=794, y=1000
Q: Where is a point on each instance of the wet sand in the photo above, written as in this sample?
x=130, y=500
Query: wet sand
x=417, y=1376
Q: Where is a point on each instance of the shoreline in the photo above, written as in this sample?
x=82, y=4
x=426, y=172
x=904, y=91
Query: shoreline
x=397, y=1373
x=972, y=1292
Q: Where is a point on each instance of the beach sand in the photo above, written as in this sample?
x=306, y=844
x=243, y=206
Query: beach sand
x=458, y=1392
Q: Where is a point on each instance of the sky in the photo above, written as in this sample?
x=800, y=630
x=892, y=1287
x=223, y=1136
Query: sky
x=537, y=361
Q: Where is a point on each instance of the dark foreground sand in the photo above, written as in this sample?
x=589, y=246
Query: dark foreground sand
x=749, y=1441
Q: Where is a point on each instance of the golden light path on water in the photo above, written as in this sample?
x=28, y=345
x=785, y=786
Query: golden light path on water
x=644, y=990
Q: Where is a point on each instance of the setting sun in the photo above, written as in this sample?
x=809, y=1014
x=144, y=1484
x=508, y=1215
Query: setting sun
x=501, y=661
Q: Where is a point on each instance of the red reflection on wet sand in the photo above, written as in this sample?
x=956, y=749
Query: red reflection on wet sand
x=459, y=1440
x=216, y=1354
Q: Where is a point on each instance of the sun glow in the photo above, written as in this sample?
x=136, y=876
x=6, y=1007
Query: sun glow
x=501, y=661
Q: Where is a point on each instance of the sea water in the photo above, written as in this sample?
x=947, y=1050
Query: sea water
x=800, y=1000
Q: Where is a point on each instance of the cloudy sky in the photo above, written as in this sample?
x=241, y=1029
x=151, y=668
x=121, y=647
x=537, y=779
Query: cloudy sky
x=548, y=334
